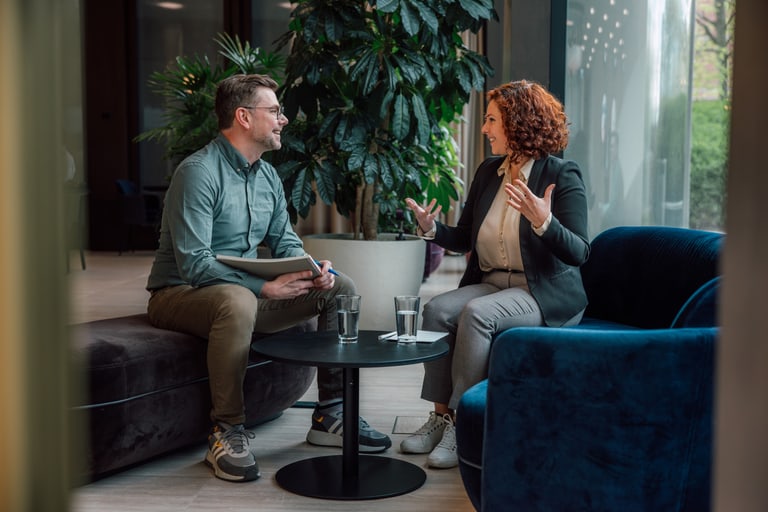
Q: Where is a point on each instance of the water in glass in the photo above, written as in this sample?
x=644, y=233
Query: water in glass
x=406, y=326
x=348, y=321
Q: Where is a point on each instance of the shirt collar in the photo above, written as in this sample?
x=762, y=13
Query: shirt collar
x=525, y=170
x=233, y=156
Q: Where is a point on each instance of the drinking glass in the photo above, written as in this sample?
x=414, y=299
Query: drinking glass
x=348, y=310
x=407, y=317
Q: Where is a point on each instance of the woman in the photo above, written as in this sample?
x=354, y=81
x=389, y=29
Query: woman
x=525, y=226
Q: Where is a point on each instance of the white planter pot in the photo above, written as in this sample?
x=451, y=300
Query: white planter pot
x=380, y=268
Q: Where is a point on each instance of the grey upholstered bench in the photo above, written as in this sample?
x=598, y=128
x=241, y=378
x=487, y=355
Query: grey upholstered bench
x=145, y=390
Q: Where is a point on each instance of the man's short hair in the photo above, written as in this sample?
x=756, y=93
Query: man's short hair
x=238, y=91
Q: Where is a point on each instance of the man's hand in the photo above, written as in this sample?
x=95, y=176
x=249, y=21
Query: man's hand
x=288, y=286
x=295, y=284
x=325, y=280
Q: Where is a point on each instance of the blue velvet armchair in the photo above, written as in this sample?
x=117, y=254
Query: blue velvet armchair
x=614, y=414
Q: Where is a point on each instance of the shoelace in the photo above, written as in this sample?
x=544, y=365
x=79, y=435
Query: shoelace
x=448, y=441
x=430, y=426
x=362, y=424
x=237, y=438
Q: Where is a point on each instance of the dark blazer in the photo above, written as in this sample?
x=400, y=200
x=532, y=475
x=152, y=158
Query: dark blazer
x=551, y=261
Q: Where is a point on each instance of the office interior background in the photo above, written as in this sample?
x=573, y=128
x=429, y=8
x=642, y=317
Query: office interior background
x=622, y=68
x=74, y=83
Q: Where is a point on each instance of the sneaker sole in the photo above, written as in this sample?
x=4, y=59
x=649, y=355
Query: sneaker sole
x=422, y=450
x=249, y=476
x=319, y=438
x=442, y=465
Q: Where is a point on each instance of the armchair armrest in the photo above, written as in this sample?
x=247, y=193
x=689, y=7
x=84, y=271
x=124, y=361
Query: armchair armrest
x=599, y=420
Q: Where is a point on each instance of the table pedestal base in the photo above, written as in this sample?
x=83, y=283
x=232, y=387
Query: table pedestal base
x=378, y=477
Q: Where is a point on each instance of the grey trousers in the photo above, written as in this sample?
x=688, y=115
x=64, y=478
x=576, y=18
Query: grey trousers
x=472, y=315
x=227, y=315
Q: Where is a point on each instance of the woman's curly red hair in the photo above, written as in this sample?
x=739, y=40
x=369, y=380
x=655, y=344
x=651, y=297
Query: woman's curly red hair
x=534, y=120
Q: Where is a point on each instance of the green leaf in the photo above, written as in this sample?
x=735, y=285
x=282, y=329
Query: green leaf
x=357, y=131
x=325, y=178
x=427, y=15
x=287, y=169
x=464, y=78
x=422, y=119
x=311, y=27
x=356, y=157
x=430, y=70
x=409, y=18
x=371, y=76
x=370, y=168
x=334, y=27
x=385, y=171
x=387, y=5
x=479, y=67
x=328, y=126
x=386, y=101
x=400, y=118
x=390, y=73
x=478, y=9
x=363, y=65
x=301, y=195
x=410, y=66
x=340, y=135
x=447, y=111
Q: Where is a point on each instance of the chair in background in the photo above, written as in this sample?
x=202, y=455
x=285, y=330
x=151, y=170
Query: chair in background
x=138, y=209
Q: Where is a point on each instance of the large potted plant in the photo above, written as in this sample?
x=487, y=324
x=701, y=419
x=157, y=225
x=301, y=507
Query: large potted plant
x=372, y=89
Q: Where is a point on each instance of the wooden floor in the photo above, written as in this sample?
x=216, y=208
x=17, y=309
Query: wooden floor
x=113, y=286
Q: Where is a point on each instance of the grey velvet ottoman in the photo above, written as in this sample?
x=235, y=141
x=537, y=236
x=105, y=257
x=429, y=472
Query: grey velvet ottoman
x=145, y=390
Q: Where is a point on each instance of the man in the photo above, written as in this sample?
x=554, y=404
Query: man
x=224, y=199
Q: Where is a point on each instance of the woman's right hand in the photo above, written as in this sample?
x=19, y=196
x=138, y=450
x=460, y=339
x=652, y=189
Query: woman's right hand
x=424, y=216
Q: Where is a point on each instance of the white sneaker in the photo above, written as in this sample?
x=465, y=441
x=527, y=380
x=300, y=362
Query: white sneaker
x=427, y=437
x=444, y=455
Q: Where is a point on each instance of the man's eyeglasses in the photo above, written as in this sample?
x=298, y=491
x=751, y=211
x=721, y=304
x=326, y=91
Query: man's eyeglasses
x=278, y=112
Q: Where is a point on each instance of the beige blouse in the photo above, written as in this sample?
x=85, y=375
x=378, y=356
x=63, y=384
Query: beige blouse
x=498, y=241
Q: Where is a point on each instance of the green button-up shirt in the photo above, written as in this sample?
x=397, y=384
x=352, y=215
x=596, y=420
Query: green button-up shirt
x=219, y=204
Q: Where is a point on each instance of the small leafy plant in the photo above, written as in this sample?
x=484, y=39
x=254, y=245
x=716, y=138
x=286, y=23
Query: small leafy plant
x=189, y=88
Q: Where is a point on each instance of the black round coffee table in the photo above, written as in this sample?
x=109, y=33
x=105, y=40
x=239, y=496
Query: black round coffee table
x=349, y=476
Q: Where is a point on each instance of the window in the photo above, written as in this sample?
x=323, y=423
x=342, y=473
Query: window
x=627, y=95
x=166, y=30
x=711, y=112
x=269, y=21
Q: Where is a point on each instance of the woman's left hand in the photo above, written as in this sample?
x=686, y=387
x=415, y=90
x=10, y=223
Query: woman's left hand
x=535, y=209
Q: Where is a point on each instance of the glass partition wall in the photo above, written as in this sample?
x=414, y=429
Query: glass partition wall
x=165, y=30
x=627, y=95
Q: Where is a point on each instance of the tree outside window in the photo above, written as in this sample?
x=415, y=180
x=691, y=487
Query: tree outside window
x=712, y=71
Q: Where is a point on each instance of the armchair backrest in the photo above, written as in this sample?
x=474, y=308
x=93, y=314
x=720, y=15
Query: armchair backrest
x=643, y=275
